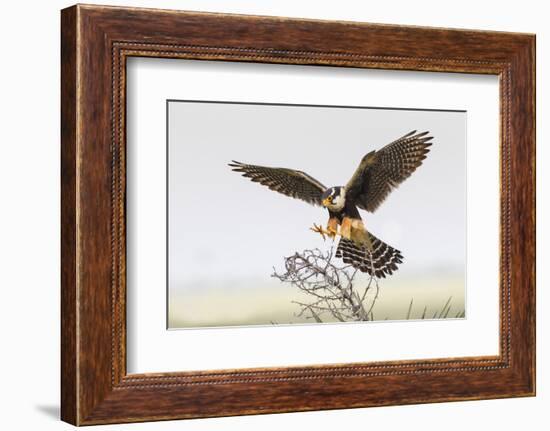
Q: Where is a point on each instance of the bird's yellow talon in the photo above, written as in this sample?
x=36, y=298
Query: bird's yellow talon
x=318, y=229
x=330, y=232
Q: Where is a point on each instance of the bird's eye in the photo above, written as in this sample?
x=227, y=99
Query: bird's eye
x=330, y=198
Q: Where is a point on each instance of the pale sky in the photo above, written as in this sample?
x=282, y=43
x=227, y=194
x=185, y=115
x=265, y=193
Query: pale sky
x=224, y=227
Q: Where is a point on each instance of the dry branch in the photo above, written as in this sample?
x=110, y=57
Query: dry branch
x=334, y=290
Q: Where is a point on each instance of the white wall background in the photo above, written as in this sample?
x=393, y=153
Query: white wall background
x=29, y=217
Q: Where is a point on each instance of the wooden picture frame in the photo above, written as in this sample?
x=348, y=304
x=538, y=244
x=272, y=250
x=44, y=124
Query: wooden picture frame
x=95, y=43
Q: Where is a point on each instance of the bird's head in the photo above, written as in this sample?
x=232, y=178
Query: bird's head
x=334, y=198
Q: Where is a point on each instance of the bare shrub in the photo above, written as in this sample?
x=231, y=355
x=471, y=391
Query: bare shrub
x=335, y=290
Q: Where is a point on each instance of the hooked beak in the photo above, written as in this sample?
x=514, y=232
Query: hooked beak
x=325, y=202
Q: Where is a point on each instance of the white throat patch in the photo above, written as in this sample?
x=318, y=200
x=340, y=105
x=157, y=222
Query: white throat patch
x=339, y=201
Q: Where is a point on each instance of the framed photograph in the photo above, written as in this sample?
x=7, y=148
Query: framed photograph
x=258, y=208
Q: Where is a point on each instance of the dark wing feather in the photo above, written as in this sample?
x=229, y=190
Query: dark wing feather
x=382, y=171
x=296, y=184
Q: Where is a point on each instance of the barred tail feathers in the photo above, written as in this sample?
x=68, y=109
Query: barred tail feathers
x=382, y=260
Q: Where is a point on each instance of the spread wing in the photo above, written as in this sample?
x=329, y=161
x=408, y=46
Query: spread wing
x=382, y=171
x=289, y=182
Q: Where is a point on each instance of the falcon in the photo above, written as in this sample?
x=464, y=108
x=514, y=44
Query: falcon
x=378, y=173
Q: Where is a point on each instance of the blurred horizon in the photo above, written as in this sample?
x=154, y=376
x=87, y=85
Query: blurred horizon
x=256, y=301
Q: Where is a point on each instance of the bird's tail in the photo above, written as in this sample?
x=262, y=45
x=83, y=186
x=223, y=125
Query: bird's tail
x=380, y=261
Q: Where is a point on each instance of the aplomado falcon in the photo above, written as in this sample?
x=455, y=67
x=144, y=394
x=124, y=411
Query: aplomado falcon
x=376, y=176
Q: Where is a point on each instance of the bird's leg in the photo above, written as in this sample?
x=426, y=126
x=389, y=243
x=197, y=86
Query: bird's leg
x=345, y=230
x=331, y=231
x=332, y=227
x=320, y=230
